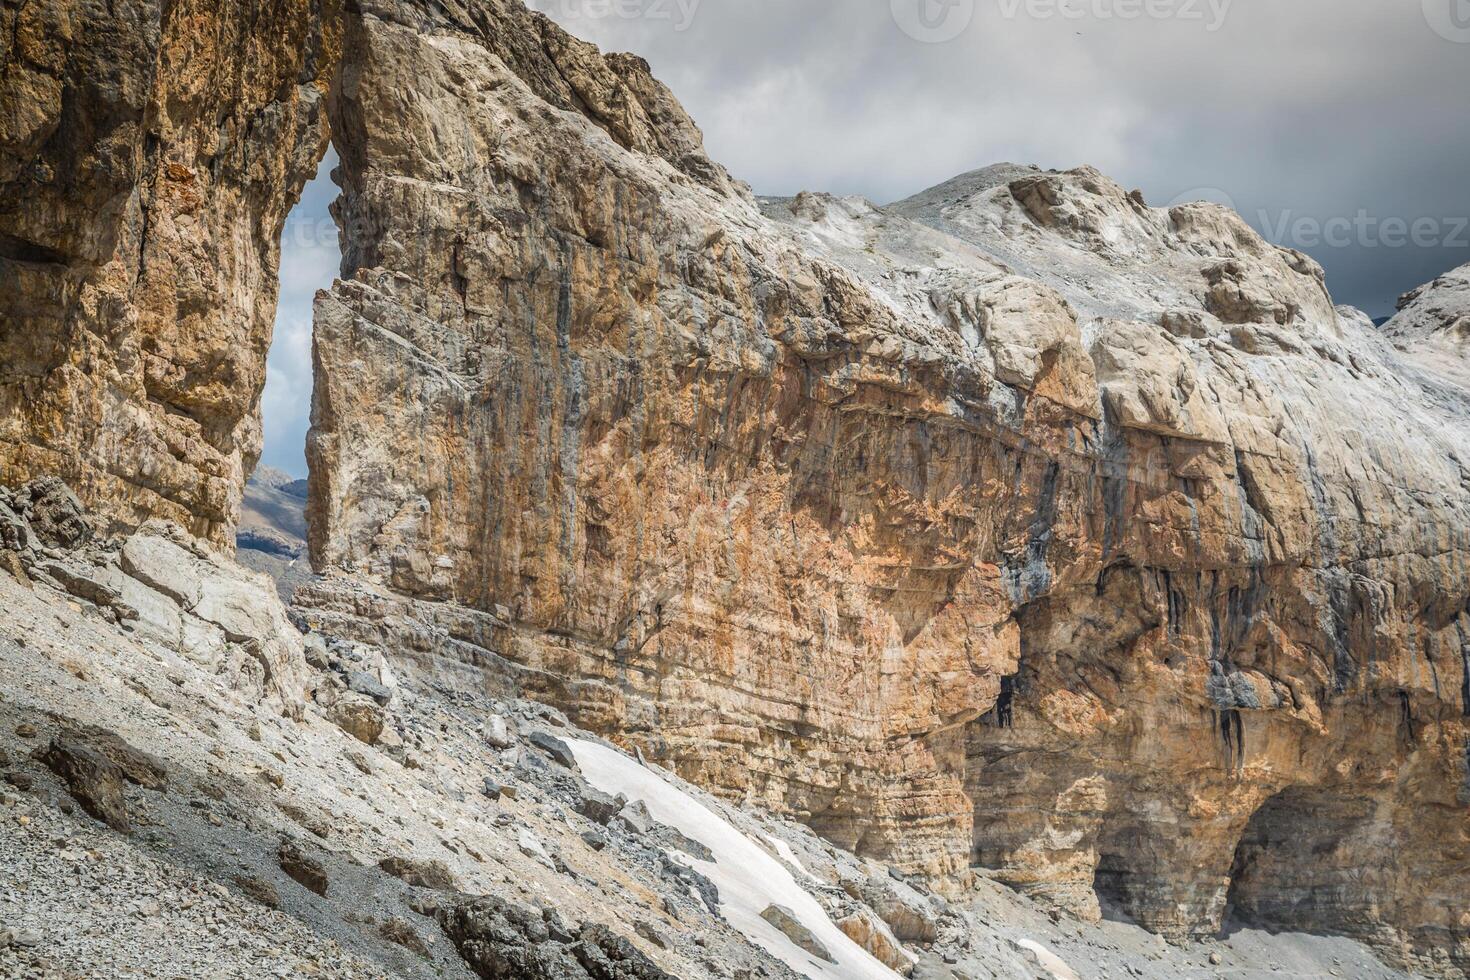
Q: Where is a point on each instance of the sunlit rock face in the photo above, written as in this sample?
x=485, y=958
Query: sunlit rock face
x=726, y=498
x=1019, y=524
x=149, y=154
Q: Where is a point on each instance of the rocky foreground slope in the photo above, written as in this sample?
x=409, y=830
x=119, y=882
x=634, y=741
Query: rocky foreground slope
x=1018, y=526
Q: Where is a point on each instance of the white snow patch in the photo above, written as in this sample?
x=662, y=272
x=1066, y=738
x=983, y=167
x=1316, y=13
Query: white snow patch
x=1049, y=961
x=789, y=856
x=749, y=879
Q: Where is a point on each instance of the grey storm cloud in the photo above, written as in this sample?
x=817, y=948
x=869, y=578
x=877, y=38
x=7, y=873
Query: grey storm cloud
x=1336, y=126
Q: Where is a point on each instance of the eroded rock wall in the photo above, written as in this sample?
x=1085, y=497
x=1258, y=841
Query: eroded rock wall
x=1018, y=524
x=149, y=154
x=560, y=388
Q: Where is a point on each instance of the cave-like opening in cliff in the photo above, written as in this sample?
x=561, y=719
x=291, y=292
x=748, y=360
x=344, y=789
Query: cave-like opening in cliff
x=1299, y=865
x=310, y=259
x=272, y=532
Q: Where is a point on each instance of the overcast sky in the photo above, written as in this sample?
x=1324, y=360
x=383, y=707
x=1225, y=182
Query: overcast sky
x=1337, y=126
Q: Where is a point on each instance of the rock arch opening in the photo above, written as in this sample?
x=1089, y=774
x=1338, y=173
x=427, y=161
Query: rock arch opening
x=271, y=536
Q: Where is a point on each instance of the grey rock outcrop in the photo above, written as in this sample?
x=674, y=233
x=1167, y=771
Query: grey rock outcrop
x=790, y=926
x=1432, y=327
x=92, y=779
x=501, y=940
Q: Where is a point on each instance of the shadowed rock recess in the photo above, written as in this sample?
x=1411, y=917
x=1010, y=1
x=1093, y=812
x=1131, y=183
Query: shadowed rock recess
x=1017, y=525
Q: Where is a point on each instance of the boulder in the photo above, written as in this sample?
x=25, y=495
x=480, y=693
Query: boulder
x=359, y=716
x=497, y=733
x=300, y=867
x=634, y=818
x=556, y=748
x=91, y=778
x=865, y=929
x=792, y=928
x=530, y=845
x=420, y=873
x=258, y=890
x=361, y=682
x=137, y=767
x=598, y=806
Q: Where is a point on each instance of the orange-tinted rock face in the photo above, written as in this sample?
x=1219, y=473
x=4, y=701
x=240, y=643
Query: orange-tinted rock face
x=1019, y=524
x=718, y=526
x=149, y=153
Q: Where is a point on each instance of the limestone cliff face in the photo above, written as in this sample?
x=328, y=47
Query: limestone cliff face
x=573, y=379
x=1017, y=525
x=149, y=153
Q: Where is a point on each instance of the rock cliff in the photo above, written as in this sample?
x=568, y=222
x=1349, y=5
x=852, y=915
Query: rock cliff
x=1019, y=524
x=149, y=154
x=163, y=816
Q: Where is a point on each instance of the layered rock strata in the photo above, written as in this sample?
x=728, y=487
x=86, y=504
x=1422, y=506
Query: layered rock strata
x=1017, y=524
x=149, y=154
